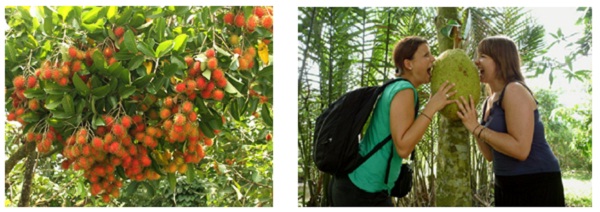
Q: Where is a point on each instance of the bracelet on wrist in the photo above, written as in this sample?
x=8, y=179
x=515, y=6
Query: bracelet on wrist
x=426, y=116
x=475, y=129
x=479, y=135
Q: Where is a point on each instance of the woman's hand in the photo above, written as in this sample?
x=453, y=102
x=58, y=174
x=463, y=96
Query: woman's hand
x=467, y=113
x=440, y=99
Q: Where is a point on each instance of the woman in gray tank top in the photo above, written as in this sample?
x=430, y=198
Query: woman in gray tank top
x=510, y=133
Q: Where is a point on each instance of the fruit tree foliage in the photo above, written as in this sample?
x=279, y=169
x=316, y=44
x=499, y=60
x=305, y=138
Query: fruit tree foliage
x=137, y=94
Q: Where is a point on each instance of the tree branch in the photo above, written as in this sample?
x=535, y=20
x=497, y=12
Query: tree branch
x=29, y=172
x=21, y=153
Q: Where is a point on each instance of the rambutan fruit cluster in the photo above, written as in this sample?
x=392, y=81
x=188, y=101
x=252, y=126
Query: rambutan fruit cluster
x=261, y=16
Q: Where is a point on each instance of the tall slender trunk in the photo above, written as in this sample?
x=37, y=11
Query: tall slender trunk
x=453, y=178
x=331, y=58
x=305, y=140
x=364, y=34
x=387, y=44
x=305, y=53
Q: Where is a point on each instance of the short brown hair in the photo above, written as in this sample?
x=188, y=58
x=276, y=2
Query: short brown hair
x=405, y=49
x=505, y=54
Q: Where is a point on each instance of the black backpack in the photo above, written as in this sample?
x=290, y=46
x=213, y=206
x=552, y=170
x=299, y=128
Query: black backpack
x=336, y=137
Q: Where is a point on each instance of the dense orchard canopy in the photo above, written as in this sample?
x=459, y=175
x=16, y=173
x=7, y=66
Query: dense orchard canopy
x=127, y=95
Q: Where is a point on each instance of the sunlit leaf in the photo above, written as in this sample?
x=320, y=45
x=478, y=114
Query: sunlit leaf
x=164, y=48
x=180, y=42
x=112, y=14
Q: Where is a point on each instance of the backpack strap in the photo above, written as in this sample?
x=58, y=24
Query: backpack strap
x=388, y=138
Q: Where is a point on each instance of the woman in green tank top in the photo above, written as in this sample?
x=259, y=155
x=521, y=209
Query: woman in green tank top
x=394, y=114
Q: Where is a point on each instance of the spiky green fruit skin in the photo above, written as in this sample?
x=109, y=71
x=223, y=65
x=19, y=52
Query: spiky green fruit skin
x=455, y=66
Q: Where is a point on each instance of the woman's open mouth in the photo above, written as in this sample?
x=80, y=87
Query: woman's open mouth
x=429, y=71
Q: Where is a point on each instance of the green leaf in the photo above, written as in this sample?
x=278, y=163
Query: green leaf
x=215, y=124
x=80, y=85
x=123, y=74
x=123, y=55
x=233, y=109
x=206, y=130
x=169, y=70
x=129, y=40
x=52, y=88
x=98, y=121
x=137, y=20
x=253, y=105
x=266, y=115
x=178, y=61
x=143, y=47
x=112, y=14
x=36, y=93
x=159, y=28
x=257, y=177
x=61, y=115
x=229, y=88
x=132, y=188
x=180, y=42
x=149, y=188
x=10, y=52
x=81, y=192
x=235, y=63
x=53, y=102
x=125, y=16
x=135, y=62
x=48, y=25
x=64, y=11
x=68, y=106
x=112, y=101
x=31, y=42
x=266, y=72
x=30, y=117
x=172, y=180
x=191, y=174
x=127, y=91
x=222, y=51
x=143, y=81
x=91, y=16
x=99, y=61
x=164, y=48
x=447, y=30
x=201, y=106
x=101, y=91
x=94, y=27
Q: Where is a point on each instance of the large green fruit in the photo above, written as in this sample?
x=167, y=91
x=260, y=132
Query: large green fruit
x=455, y=66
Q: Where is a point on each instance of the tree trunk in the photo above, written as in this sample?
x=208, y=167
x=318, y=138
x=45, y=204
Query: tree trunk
x=453, y=181
x=444, y=15
x=453, y=178
x=21, y=153
x=29, y=172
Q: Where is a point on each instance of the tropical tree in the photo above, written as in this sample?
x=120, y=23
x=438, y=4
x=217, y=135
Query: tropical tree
x=372, y=33
x=129, y=97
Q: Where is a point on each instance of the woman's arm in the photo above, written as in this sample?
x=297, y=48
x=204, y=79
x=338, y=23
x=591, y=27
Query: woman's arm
x=407, y=131
x=485, y=149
